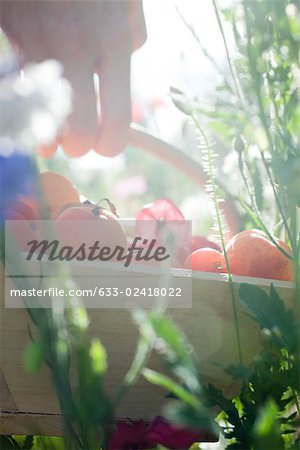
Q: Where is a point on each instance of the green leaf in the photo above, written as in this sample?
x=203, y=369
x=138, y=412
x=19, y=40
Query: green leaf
x=142, y=353
x=49, y=443
x=79, y=319
x=184, y=416
x=169, y=340
x=33, y=358
x=28, y=443
x=295, y=445
x=236, y=446
x=271, y=314
x=265, y=422
x=98, y=357
x=168, y=384
x=8, y=443
x=238, y=371
x=267, y=430
x=213, y=396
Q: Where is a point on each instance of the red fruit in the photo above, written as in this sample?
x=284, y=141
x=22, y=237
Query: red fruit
x=89, y=223
x=19, y=211
x=20, y=230
x=67, y=206
x=196, y=243
x=250, y=253
x=246, y=233
x=164, y=222
x=160, y=209
x=206, y=260
x=202, y=241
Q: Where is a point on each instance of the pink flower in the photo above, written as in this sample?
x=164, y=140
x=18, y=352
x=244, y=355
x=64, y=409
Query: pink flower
x=135, y=185
x=128, y=435
x=164, y=433
x=138, y=435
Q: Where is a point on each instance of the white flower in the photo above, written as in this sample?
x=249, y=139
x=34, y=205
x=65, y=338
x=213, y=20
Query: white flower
x=33, y=106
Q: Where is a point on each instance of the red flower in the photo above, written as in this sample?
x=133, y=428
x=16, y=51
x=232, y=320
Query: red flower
x=138, y=435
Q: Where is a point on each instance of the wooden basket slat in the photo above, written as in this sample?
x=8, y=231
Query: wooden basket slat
x=6, y=399
x=208, y=325
x=24, y=423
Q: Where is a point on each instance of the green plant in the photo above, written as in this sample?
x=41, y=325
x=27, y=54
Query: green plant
x=256, y=114
x=265, y=414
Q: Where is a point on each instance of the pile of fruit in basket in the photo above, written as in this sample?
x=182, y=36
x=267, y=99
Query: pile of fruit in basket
x=249, y=253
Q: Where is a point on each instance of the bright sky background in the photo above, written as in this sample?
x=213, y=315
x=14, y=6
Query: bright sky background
x=171, y=55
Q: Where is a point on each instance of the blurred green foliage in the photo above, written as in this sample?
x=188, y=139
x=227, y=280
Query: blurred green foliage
x=255, y=115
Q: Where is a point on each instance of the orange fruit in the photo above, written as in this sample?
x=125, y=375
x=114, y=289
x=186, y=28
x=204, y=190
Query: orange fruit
x=56, y=191
x=250, y=253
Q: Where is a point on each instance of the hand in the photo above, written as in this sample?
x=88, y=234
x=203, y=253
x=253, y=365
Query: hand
x=87, y=37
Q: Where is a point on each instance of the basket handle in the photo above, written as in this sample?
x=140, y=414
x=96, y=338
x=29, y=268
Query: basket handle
x=140, y=138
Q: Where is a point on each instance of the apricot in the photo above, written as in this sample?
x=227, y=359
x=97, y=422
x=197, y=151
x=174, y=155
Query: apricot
x=56, y=191
x=250, y=253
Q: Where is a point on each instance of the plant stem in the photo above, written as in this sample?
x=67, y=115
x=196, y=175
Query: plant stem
x=263, y=118
x=220, y=229
x=287, y=228
x=256, y=210
x=231, y=67
x=142, y=355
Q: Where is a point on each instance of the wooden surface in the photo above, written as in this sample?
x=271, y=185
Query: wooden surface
x=26, y=423
x=29, y=402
